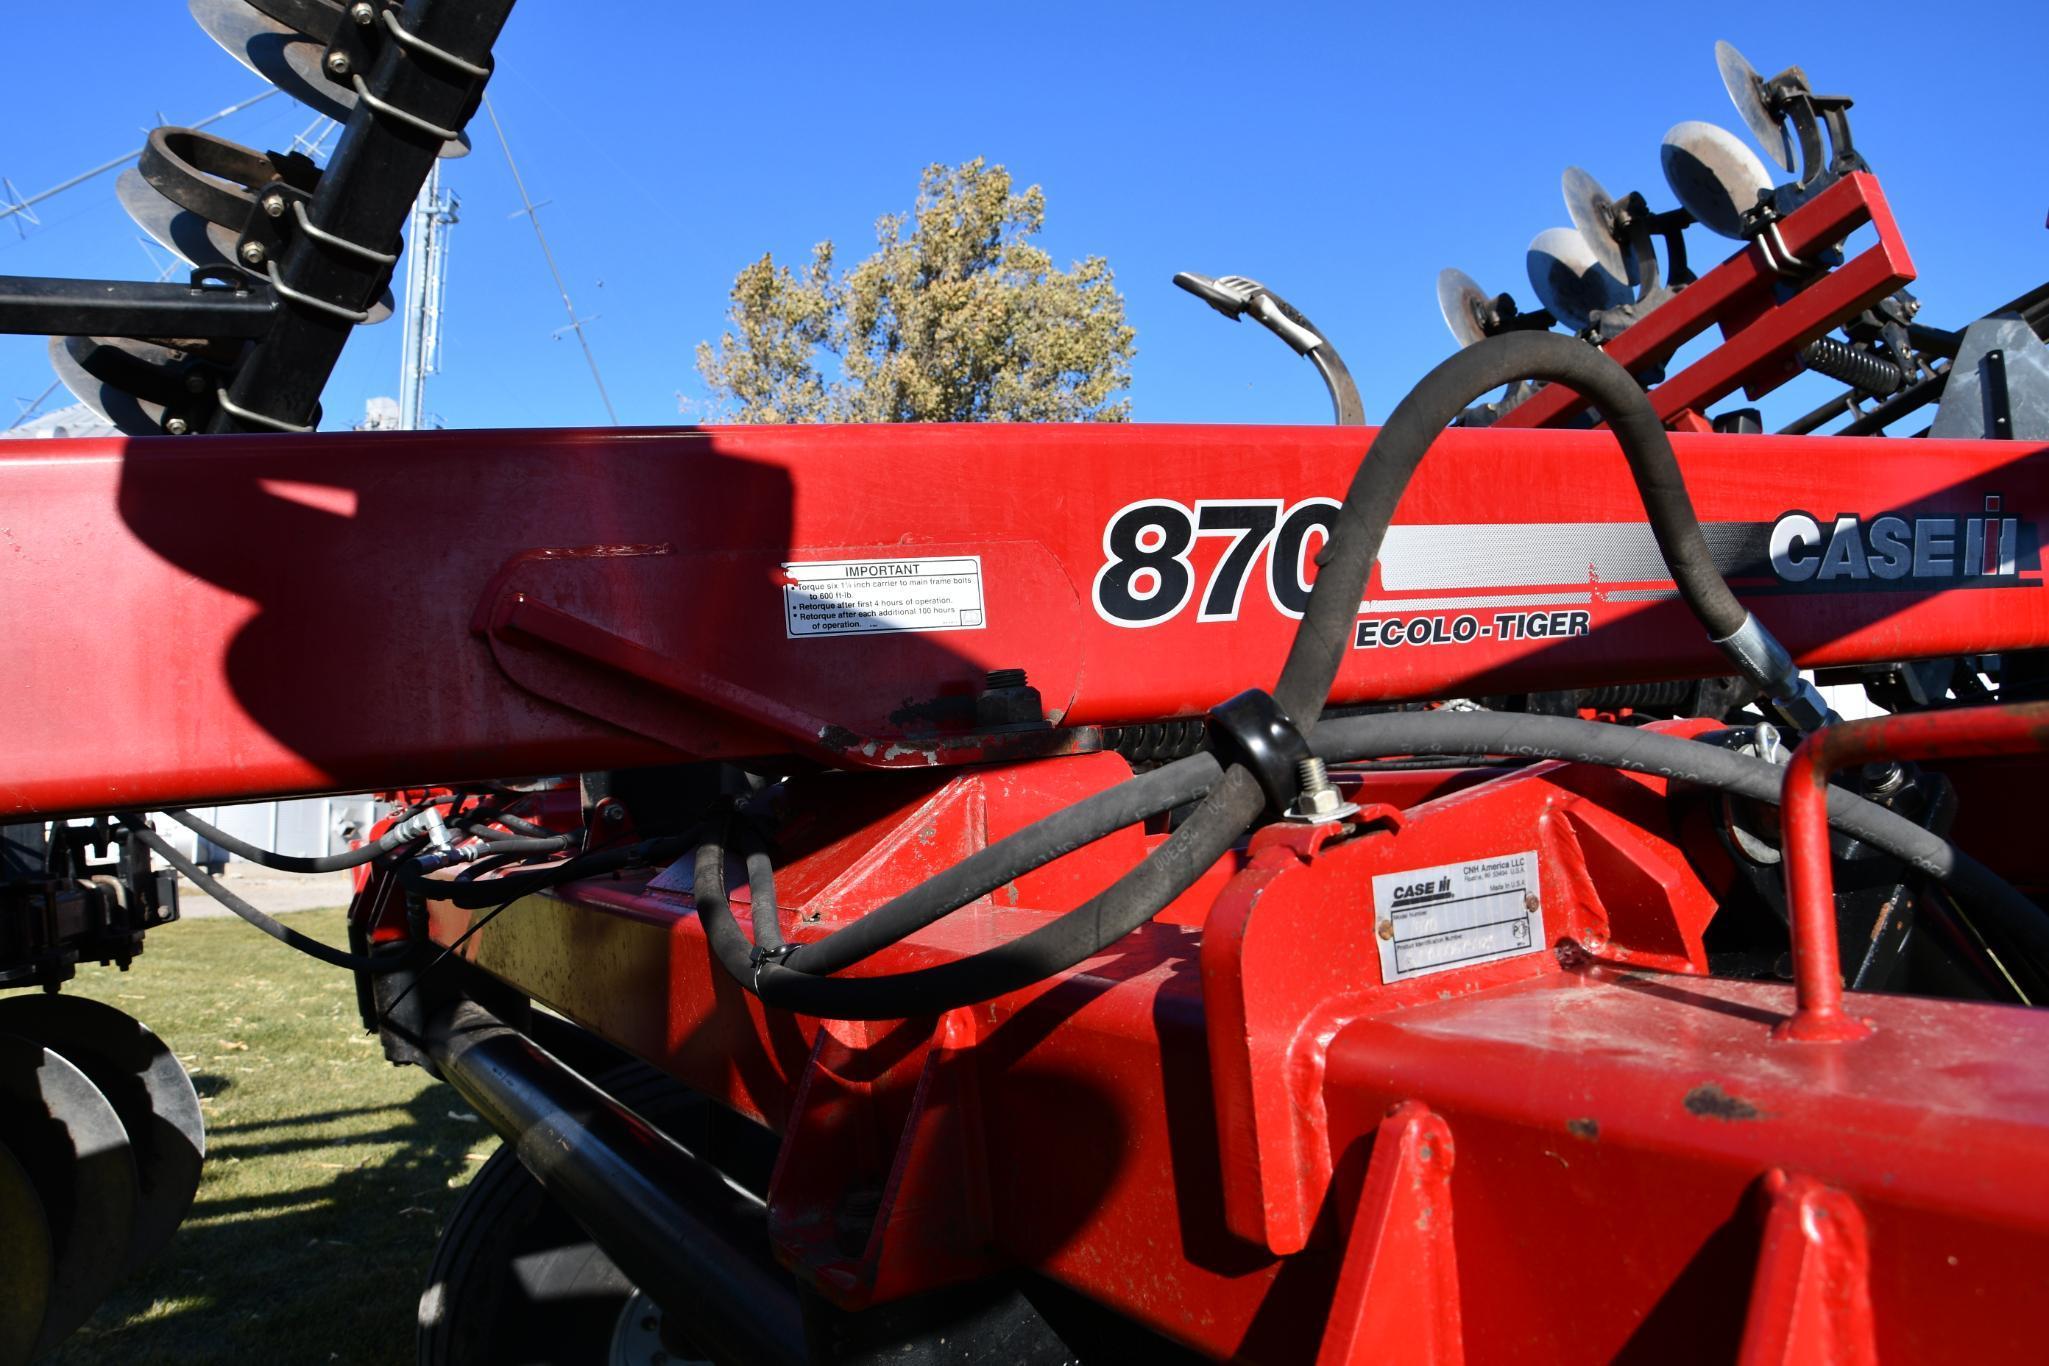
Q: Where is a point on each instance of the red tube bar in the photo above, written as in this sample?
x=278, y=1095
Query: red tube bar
x=1966, y=732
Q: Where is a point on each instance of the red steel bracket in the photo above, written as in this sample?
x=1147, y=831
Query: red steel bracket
x=1811, y=1301
x=878, y=1190
x=1290, y=956
x=1397, y=1295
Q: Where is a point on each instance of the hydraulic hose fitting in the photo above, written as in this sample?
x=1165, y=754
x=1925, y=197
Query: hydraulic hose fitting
x=450, y=854
x=427, y=824
x=1759, y=657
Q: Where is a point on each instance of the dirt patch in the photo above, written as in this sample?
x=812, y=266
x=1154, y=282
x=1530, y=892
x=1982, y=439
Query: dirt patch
x=1710, y=1101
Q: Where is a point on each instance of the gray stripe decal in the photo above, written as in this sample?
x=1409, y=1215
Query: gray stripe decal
x=1507, y=555
x=1477, y=600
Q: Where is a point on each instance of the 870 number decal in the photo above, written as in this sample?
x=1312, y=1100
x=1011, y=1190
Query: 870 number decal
x=1148, y=575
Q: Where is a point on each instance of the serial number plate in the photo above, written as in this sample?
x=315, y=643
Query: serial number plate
x=1436, y=919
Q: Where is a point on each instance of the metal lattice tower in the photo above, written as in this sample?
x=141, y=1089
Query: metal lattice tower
x=434, y=212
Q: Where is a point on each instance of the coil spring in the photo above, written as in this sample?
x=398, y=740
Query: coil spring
x=1156, y=742
x=1641, y=695
x=1845, y=364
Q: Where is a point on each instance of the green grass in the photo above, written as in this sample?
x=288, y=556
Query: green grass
x=329, y=1172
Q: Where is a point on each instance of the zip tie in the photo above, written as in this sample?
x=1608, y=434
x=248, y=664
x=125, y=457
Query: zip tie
x=220, y=396
x=763, y=957
x=440, y=54
x=390, y=110
x=336, y=241
x=297, y=296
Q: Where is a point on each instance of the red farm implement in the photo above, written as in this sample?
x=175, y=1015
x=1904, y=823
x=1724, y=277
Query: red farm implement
x=1334, y=895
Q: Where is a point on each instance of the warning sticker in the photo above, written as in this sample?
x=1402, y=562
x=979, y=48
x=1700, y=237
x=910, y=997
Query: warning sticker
x=1433, y=919
x=868, y=597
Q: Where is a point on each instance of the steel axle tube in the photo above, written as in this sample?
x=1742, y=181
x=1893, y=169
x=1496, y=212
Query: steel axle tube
x=640, y=1195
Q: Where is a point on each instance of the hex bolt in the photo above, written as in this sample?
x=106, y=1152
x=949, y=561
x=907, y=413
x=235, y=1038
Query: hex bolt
x=252, y=253
x=337, y=63
x=1312, y=775
x=1316, y=793
x=274, y=204
x=176, y=426
x=1319, y=801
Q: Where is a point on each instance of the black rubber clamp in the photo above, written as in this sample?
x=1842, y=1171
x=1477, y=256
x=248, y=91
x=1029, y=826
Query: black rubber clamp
x=1251, y=729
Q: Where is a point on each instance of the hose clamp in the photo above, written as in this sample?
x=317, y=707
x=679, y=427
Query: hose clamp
x=1251, y=729
x=764, y=957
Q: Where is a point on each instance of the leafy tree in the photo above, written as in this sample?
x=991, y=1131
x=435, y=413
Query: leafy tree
x=957, y=317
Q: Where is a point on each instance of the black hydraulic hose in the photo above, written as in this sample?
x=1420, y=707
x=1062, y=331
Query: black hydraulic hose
x=768, y=926
x=1008, y=859
x=490, y=863
x=1128, y=903
x=1325, y=635
x=2016, y=922
x=478, y=823
x=1320, y=644
x=483, y=895
x=521, y=844
x=292, y=863
x=284, y=934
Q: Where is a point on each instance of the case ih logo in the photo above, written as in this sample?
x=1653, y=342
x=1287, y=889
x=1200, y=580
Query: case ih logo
x=1439, y=890
x=1892, y=548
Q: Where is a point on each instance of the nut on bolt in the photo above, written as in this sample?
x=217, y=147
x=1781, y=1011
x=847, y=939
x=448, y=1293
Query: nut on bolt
x=363, y=14
x=274, y=204
x=252, y=253
x=337, y=63
x=1319, y=802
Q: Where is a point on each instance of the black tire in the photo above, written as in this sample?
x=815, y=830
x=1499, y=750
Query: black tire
x=516, y=1281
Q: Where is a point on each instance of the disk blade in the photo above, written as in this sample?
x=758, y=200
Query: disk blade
x=129, y=415
x=1467, y=309
x=148, y=1088
x=1592, y=210
x=173, y=227
x=1569, y=281
x=199, y=242
x=1713, y=175
x=76, y=1152
x=285, y=57
x=25, y=1261
x=263, y=44
x=1746, y=91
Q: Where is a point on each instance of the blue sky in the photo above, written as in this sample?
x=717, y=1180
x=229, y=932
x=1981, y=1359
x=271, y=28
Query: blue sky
x=1341, y=153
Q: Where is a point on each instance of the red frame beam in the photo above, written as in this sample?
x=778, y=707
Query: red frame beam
x=190, y=620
